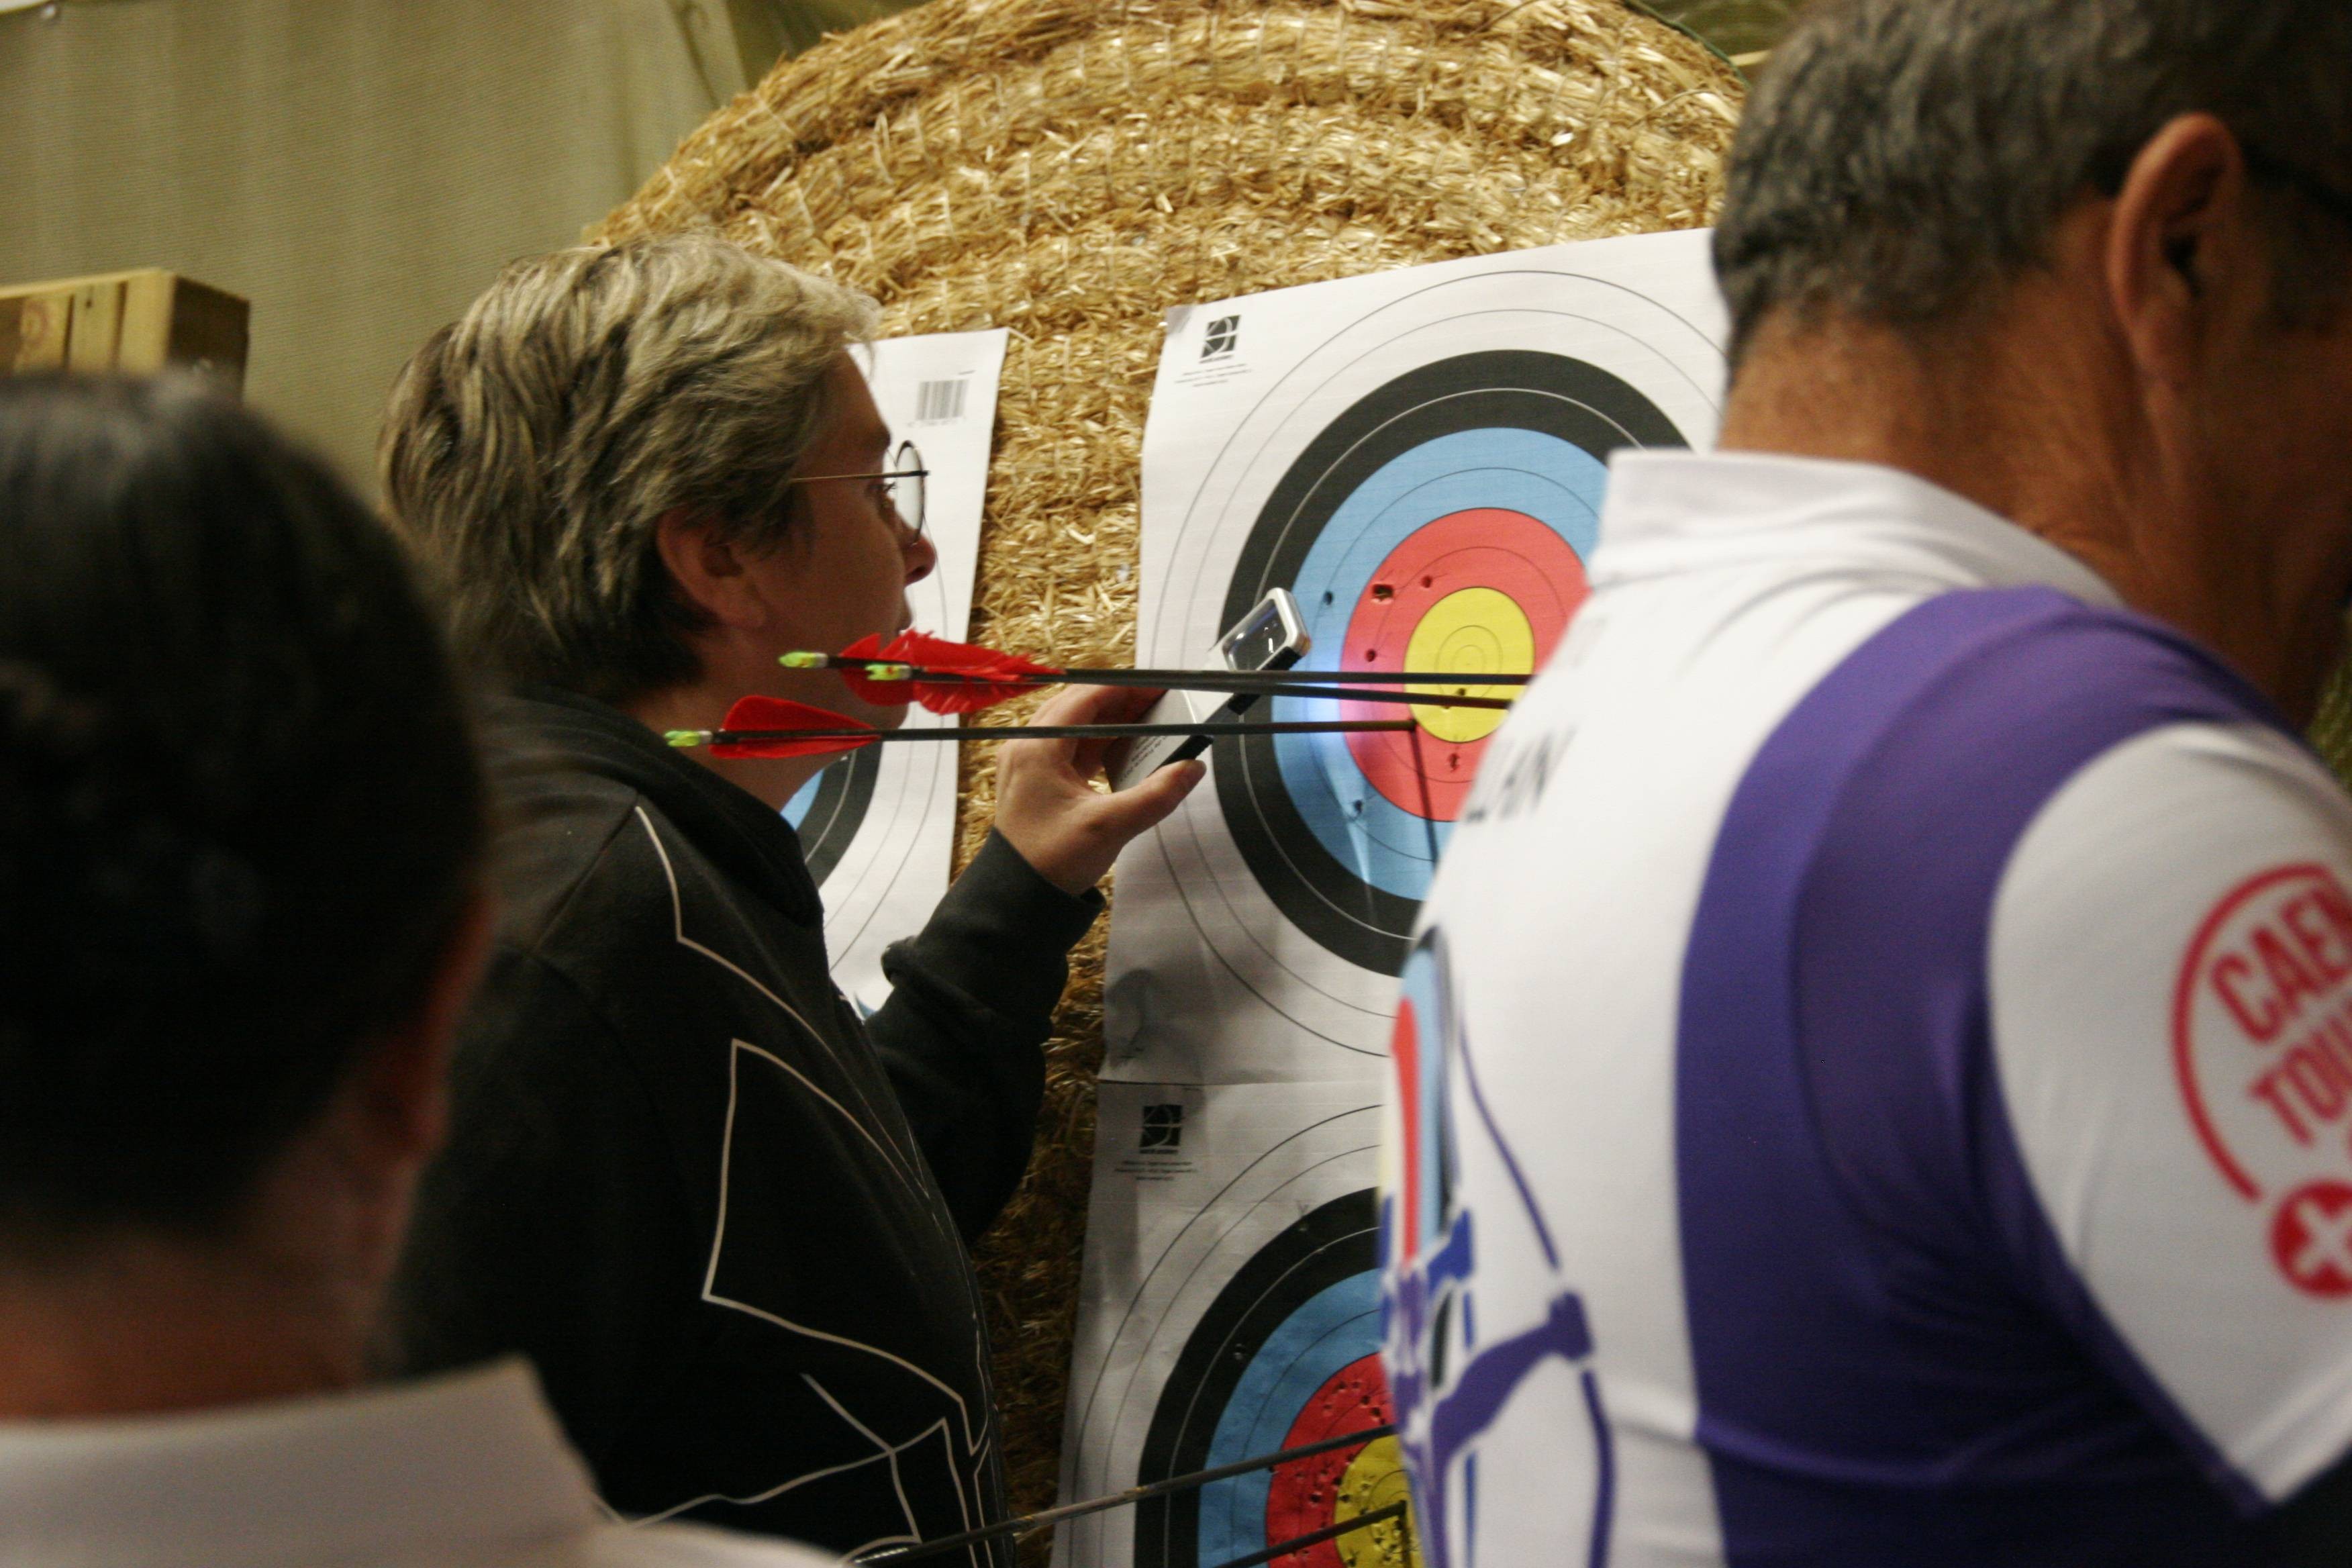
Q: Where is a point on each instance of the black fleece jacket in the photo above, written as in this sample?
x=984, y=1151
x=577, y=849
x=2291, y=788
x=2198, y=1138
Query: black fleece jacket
x=725, y=1217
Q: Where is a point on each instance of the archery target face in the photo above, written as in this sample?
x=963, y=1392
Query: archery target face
x=1427, y=482
x=1287, y=1355
x=878, y=826
x=1254, y=1326
x=861, y=823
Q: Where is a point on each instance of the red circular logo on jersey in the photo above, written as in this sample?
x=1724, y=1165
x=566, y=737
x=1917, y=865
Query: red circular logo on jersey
x=2262, y=1032
x=2310, y=1236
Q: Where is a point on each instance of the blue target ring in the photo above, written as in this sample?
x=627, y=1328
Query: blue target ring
x=1530, y=472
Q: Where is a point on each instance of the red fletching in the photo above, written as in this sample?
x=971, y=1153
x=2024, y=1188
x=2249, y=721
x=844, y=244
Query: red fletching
x=927, y=652
x=981, y=668
x=776, y=714
x=881, y=693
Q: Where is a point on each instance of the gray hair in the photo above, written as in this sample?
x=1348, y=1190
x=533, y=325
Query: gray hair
x=1901, y=160
x=531, y=448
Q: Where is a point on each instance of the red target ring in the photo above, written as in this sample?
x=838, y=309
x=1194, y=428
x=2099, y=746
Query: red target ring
x=1482, y=591
x=1305, y=1495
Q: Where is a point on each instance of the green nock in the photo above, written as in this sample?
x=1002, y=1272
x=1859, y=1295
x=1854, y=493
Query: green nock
x=801, y=660
x=683, y=738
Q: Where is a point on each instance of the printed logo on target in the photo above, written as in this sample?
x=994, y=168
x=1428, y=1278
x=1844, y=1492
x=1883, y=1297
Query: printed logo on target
x=2262, y=1049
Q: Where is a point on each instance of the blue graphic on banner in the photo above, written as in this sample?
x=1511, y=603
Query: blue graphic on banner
x=1448, y=1385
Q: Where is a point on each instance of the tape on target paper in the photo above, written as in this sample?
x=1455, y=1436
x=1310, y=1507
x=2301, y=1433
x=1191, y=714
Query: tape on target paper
x=1231, y=1309
x=878, y=827
x=1420, y=457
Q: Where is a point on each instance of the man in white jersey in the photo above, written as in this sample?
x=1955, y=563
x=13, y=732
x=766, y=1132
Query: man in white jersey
x=241, y=837
x=1875, y=1085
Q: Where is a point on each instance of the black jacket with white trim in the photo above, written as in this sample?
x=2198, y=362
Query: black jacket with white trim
x=725, y=1217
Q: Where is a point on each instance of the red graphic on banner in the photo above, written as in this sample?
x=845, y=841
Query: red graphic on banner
x=2261, y=1029
x=2310, y=1236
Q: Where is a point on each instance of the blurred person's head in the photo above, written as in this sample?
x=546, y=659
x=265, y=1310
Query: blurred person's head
x=240, y=822
x=2086, y=261
x=642, y=471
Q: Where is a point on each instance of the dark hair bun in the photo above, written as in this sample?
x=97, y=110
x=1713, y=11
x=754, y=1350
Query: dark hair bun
x=239, y=810
x=105, y=886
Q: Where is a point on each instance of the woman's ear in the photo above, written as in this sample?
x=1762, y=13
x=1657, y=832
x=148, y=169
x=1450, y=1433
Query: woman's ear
x=708, y=571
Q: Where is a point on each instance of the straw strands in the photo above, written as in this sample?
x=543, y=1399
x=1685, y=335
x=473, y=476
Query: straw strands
x=1070, y=169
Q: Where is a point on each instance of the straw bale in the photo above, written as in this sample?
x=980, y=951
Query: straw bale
x=1071, y=168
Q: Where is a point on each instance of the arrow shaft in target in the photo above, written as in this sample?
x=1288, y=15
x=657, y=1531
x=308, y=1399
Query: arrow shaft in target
x=1060, y=731
x=1033, y=1521
x=1316, y=1536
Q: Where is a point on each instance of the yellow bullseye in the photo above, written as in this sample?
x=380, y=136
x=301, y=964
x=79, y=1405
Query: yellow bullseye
x=1374, y=1479
x=1471, y=631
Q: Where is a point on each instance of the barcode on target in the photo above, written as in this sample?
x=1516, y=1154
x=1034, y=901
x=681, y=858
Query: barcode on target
x=938, y=402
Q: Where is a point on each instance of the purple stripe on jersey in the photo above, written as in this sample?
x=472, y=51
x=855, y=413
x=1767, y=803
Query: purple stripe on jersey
x=1894, y=1363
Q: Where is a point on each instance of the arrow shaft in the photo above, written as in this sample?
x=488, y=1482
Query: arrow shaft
x=1250, y=686
x=1031, y=1522
x=1063, y=732
x=1276, y=679
x=1183, y=678
x=1313, y=1537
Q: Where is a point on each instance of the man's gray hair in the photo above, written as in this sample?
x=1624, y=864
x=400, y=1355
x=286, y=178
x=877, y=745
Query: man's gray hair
x=531, y=448
x=1901, y=160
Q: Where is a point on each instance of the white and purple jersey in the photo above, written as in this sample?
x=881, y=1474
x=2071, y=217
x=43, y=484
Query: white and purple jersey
x=1875, y=1084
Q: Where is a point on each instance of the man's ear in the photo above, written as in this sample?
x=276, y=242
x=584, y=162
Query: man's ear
x=2182, y=250
x=708, y=571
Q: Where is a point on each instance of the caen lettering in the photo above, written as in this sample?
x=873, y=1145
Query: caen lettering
x=2310, y=1084
x=2287, y=965
x=1512, y=782
x=2231, y=974
x=2320, y=941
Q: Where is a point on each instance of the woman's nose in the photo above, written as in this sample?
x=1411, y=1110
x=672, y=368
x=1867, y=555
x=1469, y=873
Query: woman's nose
x=922, y=557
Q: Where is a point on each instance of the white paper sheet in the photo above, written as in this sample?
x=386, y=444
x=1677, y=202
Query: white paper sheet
x=1229, y=1294
x=1420, y=456
x=1446, y=423
x=879, y=826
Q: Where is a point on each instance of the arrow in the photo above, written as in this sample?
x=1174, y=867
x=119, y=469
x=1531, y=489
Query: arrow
x=776, y=727
x=1028, y=1522
x=963, y=678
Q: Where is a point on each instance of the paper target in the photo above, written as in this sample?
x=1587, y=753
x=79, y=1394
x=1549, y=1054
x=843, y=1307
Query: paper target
x=878, y=827
x=1287, y=1354
x=1237, y=1315
x=1421, y=457
x=1441, y=522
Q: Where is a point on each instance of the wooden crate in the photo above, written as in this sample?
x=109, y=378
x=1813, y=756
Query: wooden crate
x=135, y=322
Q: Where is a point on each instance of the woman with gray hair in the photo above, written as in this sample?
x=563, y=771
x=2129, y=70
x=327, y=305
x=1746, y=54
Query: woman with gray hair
x=726, y=1216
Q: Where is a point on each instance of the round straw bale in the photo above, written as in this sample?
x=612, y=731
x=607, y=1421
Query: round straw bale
x=1071, y=168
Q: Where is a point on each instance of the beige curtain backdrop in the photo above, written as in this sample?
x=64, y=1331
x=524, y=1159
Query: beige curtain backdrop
x=358, y=169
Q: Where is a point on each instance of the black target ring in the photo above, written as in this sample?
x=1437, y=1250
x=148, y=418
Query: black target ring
x=844, y=792
x=1546, y=393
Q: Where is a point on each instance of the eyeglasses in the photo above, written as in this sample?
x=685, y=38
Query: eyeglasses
x=903, y=483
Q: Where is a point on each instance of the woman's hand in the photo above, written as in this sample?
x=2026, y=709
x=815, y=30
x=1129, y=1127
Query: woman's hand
x=1048, y=806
